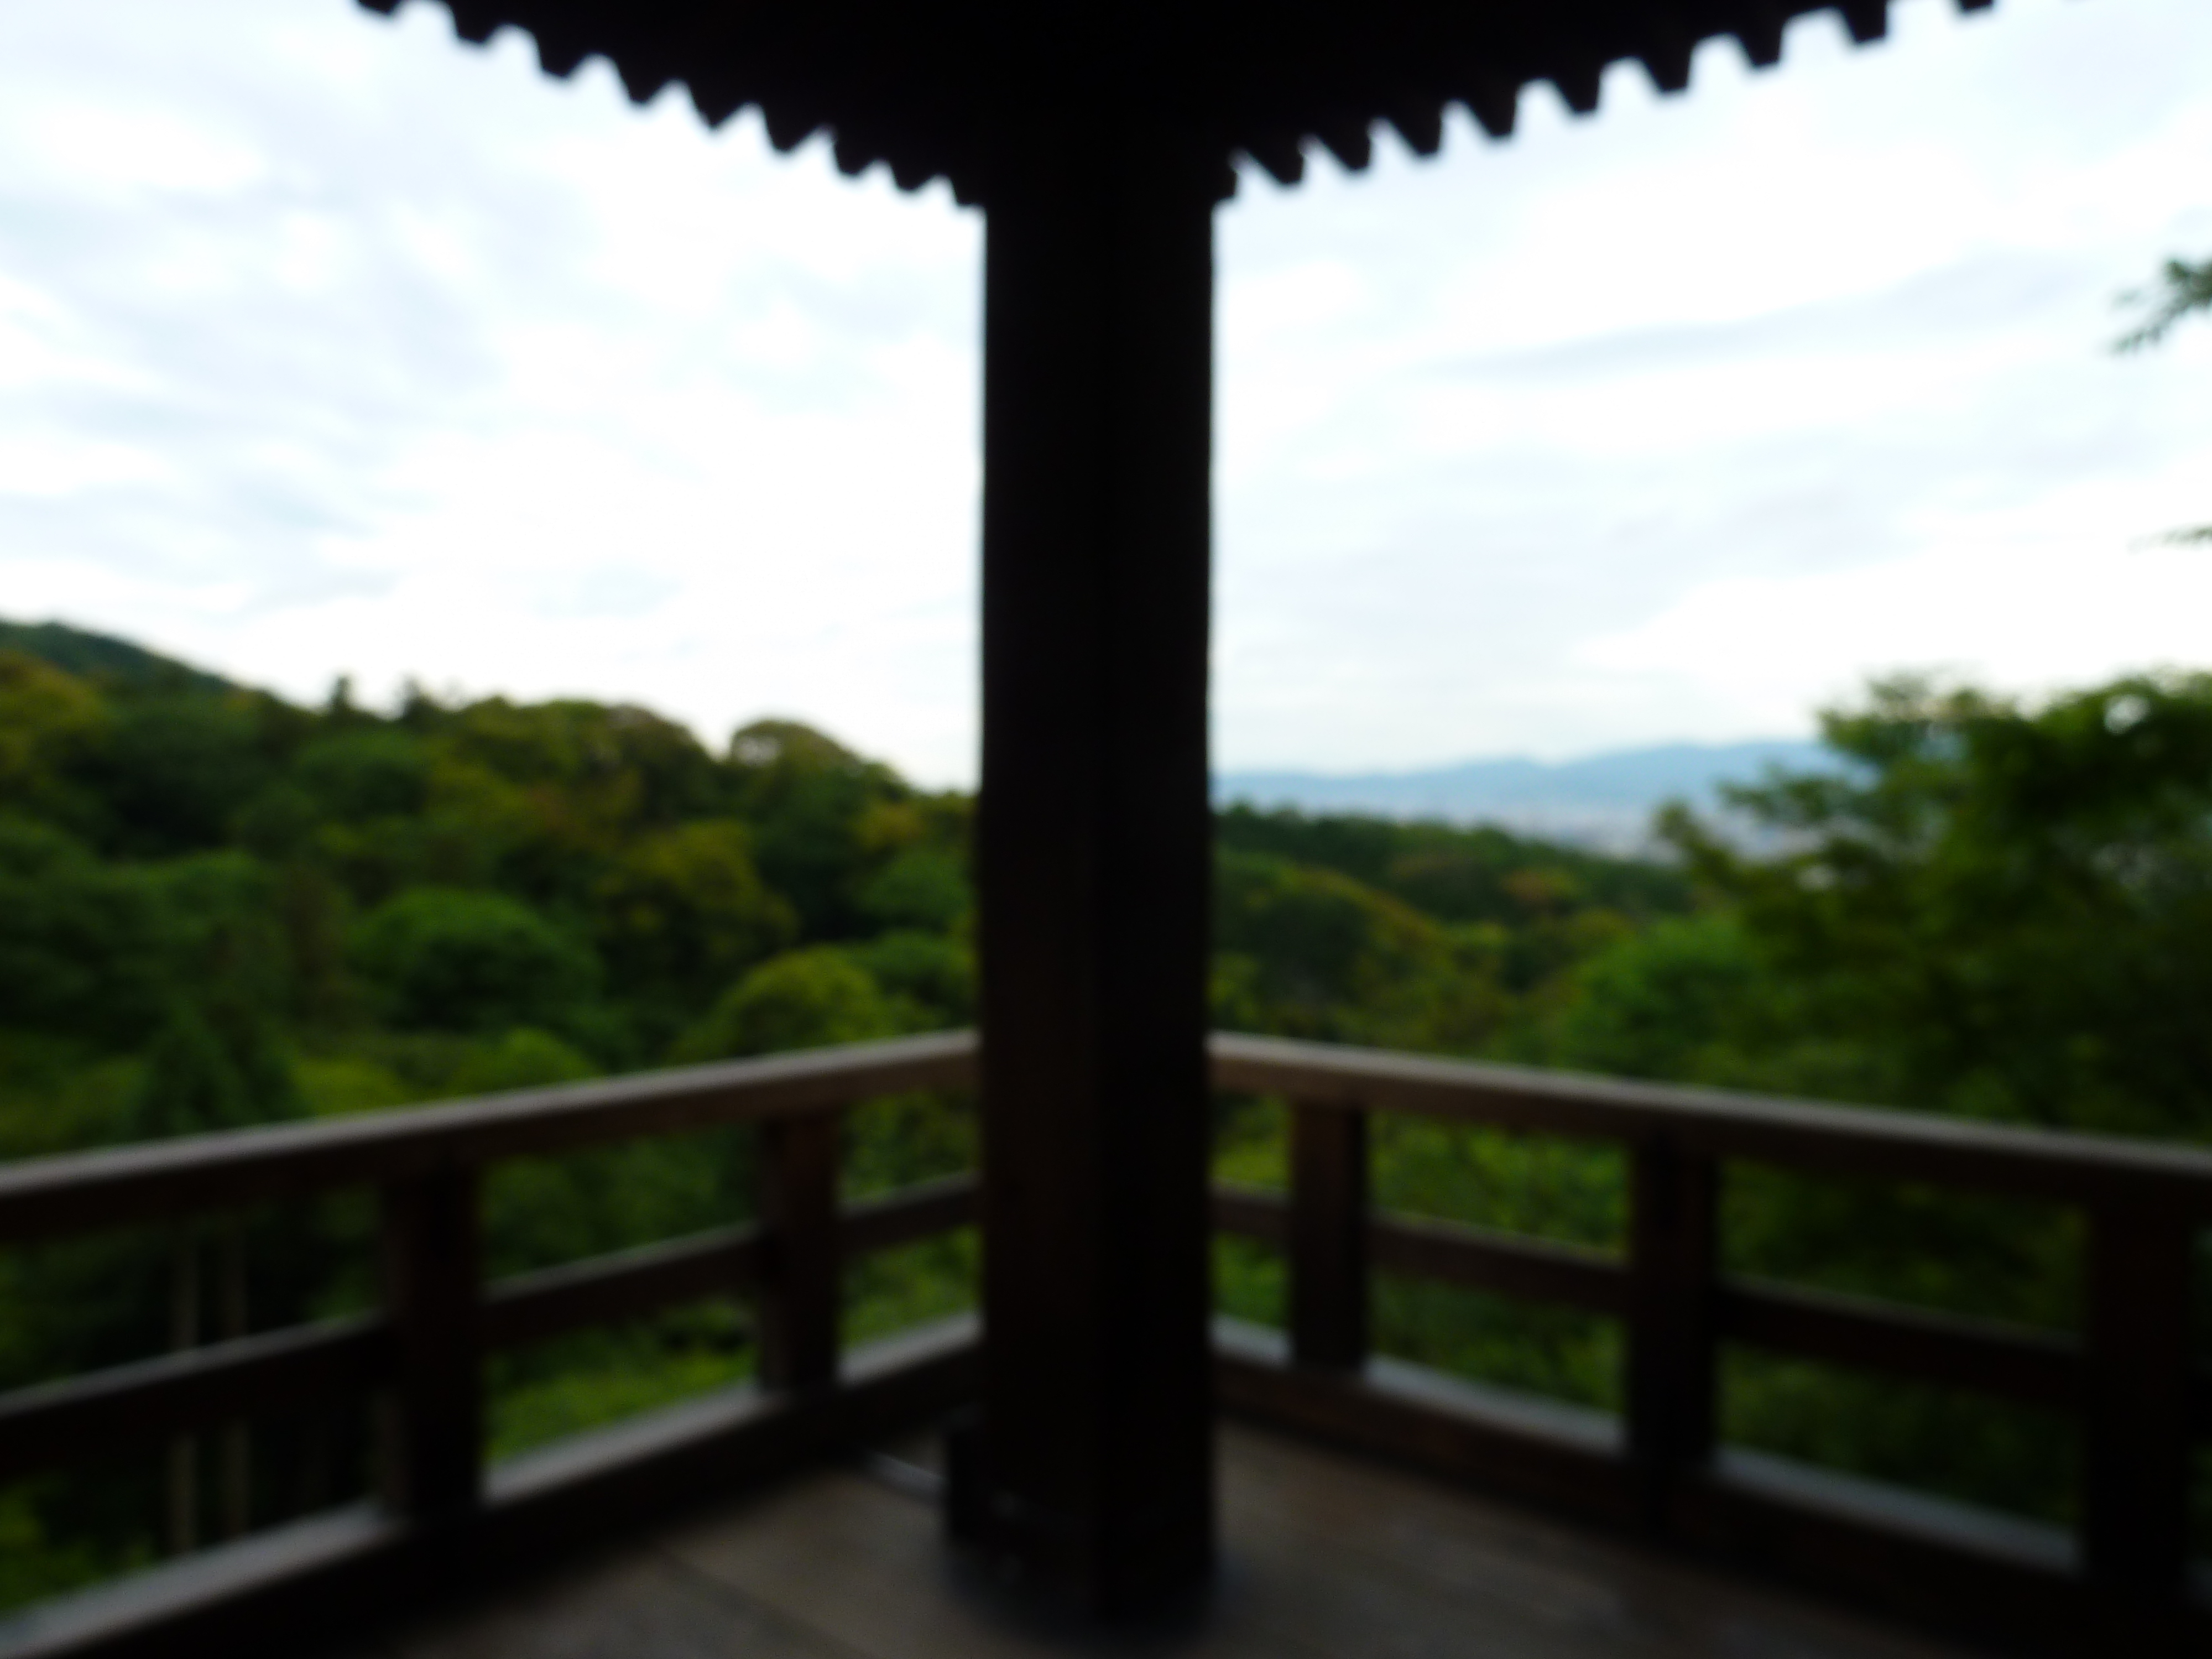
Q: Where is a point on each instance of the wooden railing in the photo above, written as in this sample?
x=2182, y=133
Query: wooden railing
x=2130, y=1377
x=442, y=1517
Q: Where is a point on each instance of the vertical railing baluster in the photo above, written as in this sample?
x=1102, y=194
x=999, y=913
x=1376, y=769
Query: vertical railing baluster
x=1671, y=1381
x=1329, y=1236
x=183, y=1488
x=237, y=1434
x=433, y=1291
x=2137, y=1443
x=799, y=1281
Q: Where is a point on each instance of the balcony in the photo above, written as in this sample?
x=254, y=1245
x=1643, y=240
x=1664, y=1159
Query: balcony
x=1368, y=1505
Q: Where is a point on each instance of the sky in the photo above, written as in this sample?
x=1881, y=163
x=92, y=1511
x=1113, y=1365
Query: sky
x=331, y=345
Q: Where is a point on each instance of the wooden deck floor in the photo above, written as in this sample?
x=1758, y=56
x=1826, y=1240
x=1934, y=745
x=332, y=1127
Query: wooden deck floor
x=1325, y=1555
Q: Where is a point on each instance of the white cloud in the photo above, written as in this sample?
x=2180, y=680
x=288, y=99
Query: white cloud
x=333, y=345
x=1624, y=386
x=44, y=468
x=2029, y=616
x=105, y=149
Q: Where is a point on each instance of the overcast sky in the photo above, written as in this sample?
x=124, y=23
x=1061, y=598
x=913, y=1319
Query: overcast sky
x=329, y=345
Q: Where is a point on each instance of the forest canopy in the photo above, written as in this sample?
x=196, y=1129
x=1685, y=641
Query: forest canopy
x=249, y=908
x=220, y=907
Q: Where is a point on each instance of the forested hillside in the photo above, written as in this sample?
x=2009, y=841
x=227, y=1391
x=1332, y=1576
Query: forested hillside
x=218, y=908
x=221, y=908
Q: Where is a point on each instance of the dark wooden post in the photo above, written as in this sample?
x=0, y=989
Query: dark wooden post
x=1329, y=1236
x=1671, y=1332
x=2136, y=1458
x=799, y=1299
x=1094, y=1455
x=432, y=1288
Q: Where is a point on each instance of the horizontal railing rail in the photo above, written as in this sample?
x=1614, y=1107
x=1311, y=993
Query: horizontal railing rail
x=2129, y=1376
x=58, y=1423
x=81, y=1192
x=2032, y=1366
x=1902, y=1146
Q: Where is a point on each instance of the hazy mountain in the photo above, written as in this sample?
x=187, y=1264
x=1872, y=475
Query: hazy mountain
x=1603, y=800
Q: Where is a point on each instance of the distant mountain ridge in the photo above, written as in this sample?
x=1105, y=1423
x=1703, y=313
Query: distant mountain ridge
x=1603, y=800
x=103, y=656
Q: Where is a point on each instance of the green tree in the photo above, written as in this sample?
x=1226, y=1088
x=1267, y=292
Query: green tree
x=523, y=1058
x=802, y=1000
x=454, y=961
x=218, y=1060
x=930, y=977
x=369, y=773
x=82, y=942
x=171, y=772
x=919, y=887
x=1673, y=1002
x=1312, y=953
x=808, y=801
x=683, y=911
x=1455, y=874
x=218, y=1068
x=2182, y=288
x=47, y=717
x=2003, y=909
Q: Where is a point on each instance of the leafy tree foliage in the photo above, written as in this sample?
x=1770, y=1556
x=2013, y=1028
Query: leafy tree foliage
x=2182, y=288
x=810, y=800
x=441, y=959
x=79, y=952
x=807, y=998
x=219, y=909
x=213, y=1068
x=685, y=907
x=1310, y=952
x=1457, y=874
x=45, y=715
x=2002, y=912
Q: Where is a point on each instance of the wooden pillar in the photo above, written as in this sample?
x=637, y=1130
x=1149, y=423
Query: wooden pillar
x=1094, y=1460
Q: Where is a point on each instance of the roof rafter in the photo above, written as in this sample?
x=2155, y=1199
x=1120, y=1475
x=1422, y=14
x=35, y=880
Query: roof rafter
x=923, y=89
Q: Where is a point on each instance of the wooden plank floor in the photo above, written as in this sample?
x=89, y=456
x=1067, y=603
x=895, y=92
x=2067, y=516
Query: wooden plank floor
x=1325, y=1555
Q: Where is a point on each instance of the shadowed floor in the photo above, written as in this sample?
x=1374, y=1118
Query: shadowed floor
x=1324, y=1555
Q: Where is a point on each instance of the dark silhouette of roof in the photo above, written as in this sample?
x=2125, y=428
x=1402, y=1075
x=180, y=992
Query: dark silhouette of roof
x=927, y=86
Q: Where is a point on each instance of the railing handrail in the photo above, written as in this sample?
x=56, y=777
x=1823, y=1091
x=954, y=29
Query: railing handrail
x=2066, y=1164
x=75, y=1191
x=78, y=1192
